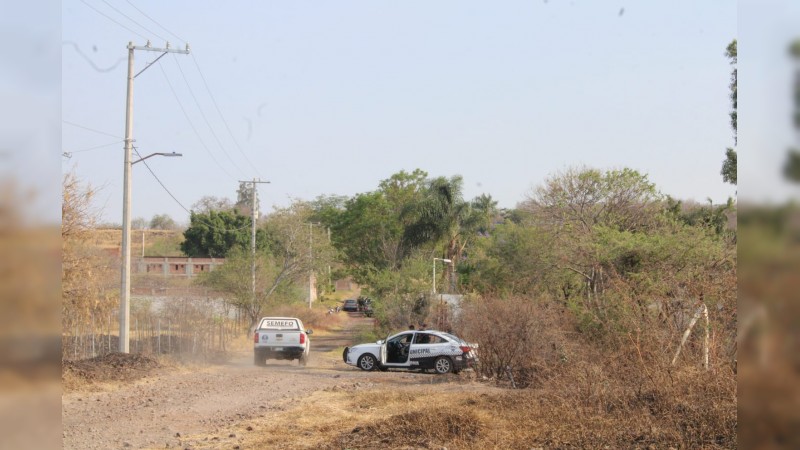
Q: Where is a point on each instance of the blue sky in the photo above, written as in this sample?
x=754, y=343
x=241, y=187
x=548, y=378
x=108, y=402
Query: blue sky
x=328, y=98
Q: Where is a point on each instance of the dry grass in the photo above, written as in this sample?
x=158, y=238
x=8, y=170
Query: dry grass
x=613, y=414
x=337, y=419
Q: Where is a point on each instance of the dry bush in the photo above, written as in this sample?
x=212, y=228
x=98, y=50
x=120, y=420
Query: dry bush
x=518, y=335
x=621, y=390
x=631, y=386
x=593, y=405
x=88, y=289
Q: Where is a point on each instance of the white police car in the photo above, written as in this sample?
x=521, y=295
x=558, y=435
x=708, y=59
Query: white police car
x=424, y=349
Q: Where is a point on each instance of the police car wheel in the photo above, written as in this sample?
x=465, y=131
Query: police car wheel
x=443, y=365
x=367, y=362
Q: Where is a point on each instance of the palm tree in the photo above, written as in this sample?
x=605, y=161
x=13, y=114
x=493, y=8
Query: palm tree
x=442, y=217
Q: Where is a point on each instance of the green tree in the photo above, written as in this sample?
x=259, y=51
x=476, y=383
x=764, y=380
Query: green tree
x=571, y=206
x=369, y=230
x=290, y=250
x=514, y=259
x=791, y=167
x=214, y=234
x=712, y=217
x=729, y=167
x=401, y=294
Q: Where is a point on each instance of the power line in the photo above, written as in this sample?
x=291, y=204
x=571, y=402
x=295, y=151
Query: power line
x=154, y=21
x=214, y=100
x=178, y=201
x=191, y=125
x=90, y=129
x=95, y=148
x=109, y=18
x=89, y=60
x=137, y=23
x=185, y=80
x=159, y=180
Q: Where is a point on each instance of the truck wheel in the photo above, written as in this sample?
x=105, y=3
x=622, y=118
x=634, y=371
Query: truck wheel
x=443, y=365
x=303, y=360
x=367, y=362
x=259, y=359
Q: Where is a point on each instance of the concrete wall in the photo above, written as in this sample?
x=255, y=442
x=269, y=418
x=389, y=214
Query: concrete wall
x=175, y=265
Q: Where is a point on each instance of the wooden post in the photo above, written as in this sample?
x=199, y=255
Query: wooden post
x=702, y=310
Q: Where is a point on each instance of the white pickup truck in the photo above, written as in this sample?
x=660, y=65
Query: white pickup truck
x=280, y=338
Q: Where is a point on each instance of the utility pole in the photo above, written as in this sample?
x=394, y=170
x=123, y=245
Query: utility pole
x=311, y=260
x=254, y=215
x=330, y=281
x=125, y=283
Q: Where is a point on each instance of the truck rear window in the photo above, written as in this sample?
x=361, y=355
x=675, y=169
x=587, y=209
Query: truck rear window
x=278, y=324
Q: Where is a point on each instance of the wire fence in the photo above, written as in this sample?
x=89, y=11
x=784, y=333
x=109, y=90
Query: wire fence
x=187, y=328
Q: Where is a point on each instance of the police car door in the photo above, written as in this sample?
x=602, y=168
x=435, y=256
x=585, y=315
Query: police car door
x=425, y=349
x=395, y=351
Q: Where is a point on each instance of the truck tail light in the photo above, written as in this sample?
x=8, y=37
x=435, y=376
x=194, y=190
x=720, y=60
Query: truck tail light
x=465, y=348
x=302, y=338
x=255, y=337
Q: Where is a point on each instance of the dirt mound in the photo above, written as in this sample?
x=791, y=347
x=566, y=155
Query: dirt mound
x=417, y=429
x=107, y=368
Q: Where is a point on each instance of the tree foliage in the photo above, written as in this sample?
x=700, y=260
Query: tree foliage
x=578, y=199
x=791, y=167
x=214, y=234
x=608, y=244
x=290, y=249
x=370, y=229
x=729, y=168
x=732, y=55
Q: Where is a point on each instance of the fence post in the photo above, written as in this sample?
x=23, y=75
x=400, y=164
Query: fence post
x=93, y=350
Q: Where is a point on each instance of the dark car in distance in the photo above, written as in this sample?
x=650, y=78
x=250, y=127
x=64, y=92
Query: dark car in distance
x=350, y=305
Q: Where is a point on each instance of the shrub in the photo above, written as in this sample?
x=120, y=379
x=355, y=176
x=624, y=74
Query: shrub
x=517, y=337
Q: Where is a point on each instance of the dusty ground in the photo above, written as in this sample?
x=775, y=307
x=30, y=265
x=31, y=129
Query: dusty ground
x=224, y=406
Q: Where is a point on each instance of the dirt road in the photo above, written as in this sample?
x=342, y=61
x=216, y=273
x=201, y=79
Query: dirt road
x=171, y=408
